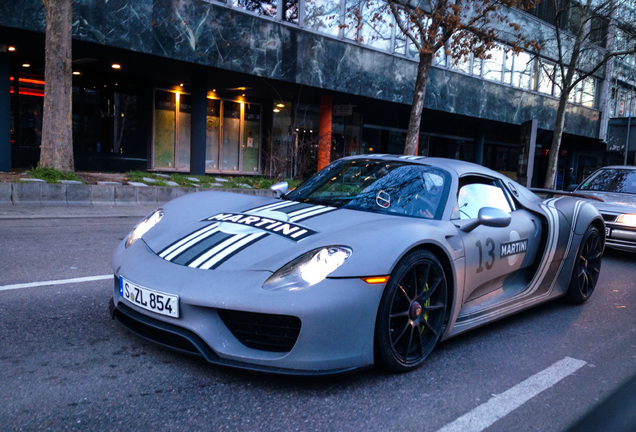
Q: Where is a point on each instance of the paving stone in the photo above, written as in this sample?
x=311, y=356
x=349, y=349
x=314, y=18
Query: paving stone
x=137, y=184
x=149, y=180
x=69, y=181
x=171, y=183
x=193, y=179
x=109, y=183
x=221, y=180
x=32, y=180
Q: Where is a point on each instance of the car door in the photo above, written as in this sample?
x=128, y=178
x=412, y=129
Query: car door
x=496, y=257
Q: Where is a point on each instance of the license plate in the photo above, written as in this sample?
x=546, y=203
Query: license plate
x=154, y=301
x=608, y=231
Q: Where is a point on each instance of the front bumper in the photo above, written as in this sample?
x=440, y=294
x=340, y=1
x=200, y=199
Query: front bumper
x=337, y=316
x=620, y=237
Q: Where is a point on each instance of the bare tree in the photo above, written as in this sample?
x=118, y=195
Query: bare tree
x=57, y=128
x=455, y=27
x=586, y=39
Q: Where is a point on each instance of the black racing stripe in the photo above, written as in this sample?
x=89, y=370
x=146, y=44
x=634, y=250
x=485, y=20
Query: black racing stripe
x=296, y=207
x=246, y=245
x=287, y=209
x=192, y=253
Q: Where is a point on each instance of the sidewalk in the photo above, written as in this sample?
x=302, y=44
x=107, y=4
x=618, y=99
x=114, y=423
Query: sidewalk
x=38, y=199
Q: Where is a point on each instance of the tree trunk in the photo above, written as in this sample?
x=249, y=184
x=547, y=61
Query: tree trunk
x=553, y=159
x=415, y=119
x=57, y=128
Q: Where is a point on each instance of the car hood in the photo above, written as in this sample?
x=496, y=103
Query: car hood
x=234, y=232
x=613, y=201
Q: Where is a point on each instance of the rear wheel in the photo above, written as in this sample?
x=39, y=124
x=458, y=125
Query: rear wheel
x=412, y=312
x=587, y=266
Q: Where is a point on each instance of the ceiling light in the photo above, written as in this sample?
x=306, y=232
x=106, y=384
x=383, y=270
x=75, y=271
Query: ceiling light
x=11, y=48
x=276, y=110
x=280, y=105
x=116, y=66
x=26, y=65
x=77, y=73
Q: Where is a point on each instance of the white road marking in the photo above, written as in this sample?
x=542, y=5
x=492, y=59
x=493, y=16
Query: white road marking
x=55, y=282
x=502, y=404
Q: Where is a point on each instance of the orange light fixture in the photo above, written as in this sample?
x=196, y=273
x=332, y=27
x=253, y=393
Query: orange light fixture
x=116, y=66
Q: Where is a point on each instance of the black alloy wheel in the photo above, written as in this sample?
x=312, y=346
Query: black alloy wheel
x=587, y=266
x=412, y=312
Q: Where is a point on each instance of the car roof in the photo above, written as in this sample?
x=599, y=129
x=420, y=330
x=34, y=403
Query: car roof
x=619, y=167
x=460, y=167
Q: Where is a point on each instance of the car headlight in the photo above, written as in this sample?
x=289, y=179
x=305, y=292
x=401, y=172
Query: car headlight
x=308, y=269
x=143, y=227
x=627, y=219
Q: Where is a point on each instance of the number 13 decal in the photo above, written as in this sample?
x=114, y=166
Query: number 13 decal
x=490, y=245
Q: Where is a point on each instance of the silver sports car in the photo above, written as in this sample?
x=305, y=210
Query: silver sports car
x=615, y=190
x=372, y=260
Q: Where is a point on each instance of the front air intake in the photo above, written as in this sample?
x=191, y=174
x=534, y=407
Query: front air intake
x=276, y=333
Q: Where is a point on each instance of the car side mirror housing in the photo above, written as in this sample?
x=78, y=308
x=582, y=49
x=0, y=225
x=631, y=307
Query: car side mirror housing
x=488, y=216
x=281, y=189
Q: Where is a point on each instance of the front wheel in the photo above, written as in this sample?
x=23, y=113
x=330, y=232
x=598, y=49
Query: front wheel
x=587, y=266
x=412, y=312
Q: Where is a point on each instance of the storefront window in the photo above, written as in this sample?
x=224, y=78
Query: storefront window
x=251, y=137
x=165, y=130
x=231, y=135
x=184, y=122
x=212, y=130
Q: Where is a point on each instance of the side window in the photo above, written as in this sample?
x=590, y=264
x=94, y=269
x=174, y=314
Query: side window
x=474, y=196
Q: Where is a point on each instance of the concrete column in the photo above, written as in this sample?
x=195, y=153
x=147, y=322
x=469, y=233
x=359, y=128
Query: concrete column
x=5, y=113
x=326, y=117
x=198, y=122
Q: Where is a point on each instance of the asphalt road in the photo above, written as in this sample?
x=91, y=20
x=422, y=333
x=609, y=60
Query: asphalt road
x=65, y=365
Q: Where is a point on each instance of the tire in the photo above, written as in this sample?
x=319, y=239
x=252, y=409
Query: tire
x=587, y=267
x=412, y=312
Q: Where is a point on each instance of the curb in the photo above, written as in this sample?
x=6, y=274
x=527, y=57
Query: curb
x=107, y=194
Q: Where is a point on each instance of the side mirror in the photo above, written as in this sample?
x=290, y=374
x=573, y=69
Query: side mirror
x=488, y=216
x=281, y=189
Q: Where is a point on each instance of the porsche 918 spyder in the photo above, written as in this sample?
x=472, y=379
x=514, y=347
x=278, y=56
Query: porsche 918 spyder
x=373, y=260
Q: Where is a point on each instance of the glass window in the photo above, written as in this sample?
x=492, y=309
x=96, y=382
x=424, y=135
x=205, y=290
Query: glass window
x=494, y=65
x=546, y=78
x=377, y=26
x=261, y=7
x=522, y=70
x=183, y=136
x=165, y=130
x=290, y=10
x=323, y=16
x=378, y=186
x=231, y=135
x=213, y=128
x=462, y=64
x=611, y=180
x=251, y=138
x=589, y=91
x=474, y=196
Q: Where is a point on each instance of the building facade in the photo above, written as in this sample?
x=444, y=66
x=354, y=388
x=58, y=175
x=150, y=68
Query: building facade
x=244, y=87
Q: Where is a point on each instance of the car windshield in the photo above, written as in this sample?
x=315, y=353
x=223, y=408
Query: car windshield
x=379, y=186
x=611, y=180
